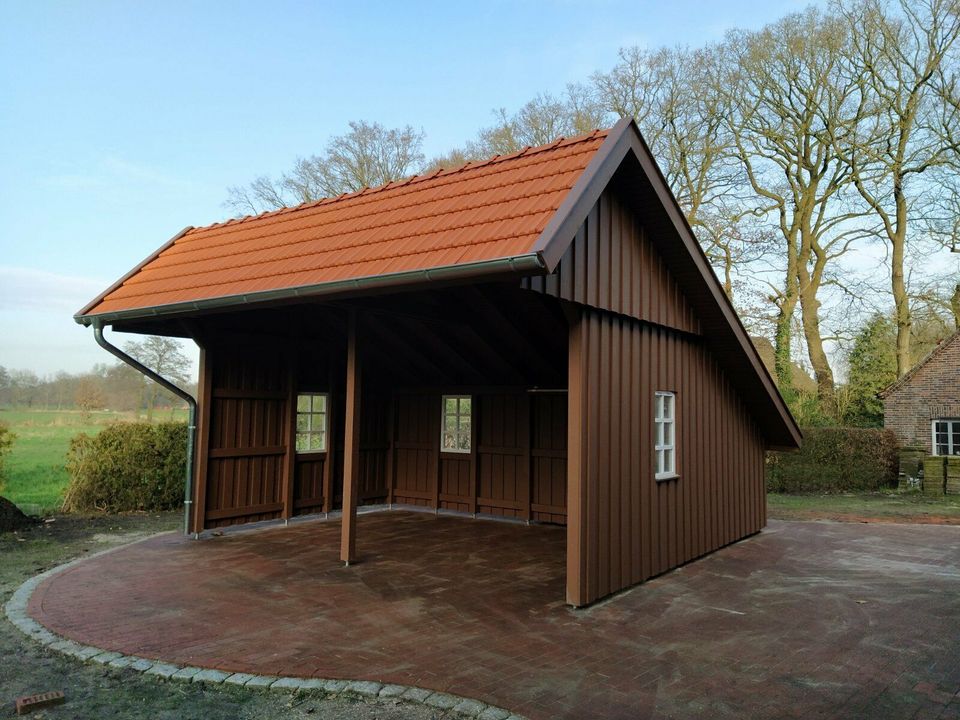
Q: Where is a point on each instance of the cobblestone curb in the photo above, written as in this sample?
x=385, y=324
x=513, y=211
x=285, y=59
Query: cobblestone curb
x=16, y=611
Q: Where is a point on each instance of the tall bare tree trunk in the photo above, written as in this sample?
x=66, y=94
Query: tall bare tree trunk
x=810, y=317
x=955, y=306
x=783, y=334
x=897, y=284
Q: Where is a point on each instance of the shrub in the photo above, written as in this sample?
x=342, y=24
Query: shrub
x=128, y=466
x=6, y=445
x=836, y=460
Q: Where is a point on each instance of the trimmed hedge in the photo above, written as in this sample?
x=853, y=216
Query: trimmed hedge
x=127, y=466
x=836, y=460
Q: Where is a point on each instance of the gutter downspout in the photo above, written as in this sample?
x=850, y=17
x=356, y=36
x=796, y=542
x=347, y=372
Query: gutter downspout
x=179, y=392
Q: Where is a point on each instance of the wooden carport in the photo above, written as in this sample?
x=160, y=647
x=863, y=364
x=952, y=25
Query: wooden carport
x=554, y=299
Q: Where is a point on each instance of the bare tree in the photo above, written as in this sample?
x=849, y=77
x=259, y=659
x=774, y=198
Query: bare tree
x=368, y=155
x=789, y=102
x=164, y=356
x=898, y=59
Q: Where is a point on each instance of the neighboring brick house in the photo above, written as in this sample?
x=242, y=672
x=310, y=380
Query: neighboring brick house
x=925, y=403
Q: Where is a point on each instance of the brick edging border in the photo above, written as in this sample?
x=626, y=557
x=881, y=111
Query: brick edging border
x=16, y=612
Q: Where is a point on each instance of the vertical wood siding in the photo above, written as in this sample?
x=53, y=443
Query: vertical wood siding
x=246, y=439
x=517, y=466
x=612, y=265
x=627, y=526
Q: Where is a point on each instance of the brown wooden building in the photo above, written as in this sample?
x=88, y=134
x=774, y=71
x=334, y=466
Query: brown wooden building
x=536, y=337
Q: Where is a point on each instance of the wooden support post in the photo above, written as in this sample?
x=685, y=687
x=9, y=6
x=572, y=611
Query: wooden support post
x=332, y=435
x=351, y=447
x=576, y=470
x=290, y=436
x=202, y=445
x=525, y=440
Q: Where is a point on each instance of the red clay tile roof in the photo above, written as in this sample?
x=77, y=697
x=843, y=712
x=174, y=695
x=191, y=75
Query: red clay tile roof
x=481, y=211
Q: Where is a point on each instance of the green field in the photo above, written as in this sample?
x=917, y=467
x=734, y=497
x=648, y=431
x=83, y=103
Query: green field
x=36, y=476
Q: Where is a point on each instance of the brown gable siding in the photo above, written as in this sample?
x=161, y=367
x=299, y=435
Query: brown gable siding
x=612, y=265
x=931, y=391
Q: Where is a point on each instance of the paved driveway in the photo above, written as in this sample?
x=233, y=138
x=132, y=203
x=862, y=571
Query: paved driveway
x=806, y=619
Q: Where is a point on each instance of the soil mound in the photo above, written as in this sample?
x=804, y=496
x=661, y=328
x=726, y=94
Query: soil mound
x=11, y=518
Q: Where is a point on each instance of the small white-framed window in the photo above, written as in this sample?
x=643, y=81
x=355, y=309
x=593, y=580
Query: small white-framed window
x=312, y=422
x=946, y=436
x=456, y=423
x=665, y=443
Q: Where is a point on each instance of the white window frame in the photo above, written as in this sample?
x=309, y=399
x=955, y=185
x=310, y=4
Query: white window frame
x=460, y=430
x=664, y=430
x=952, y=448
x=310, y=414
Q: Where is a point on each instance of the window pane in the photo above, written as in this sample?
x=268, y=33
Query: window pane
x=449, y=441
x=320, y=403
x=659, y=410
x=450, y=423
x=317, y=422
x=668, y=433
x=463, y=440
x=465, y=406
x=450, y=406
x=303, y=442
x=659, y=461
x=659, y=425
x=316, y=441
x=303, y=422
x=465, y=424
x=303, y=403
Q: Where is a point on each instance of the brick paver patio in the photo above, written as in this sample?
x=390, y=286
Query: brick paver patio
x=804, y=620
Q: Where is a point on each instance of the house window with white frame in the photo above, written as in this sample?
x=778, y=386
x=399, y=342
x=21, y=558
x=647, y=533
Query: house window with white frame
x=946, y=436
x=665, y=447
x=312, y=422
x=456, y=424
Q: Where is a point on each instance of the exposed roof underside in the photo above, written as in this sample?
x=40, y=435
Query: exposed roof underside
x=911, y=373
x=514, y=214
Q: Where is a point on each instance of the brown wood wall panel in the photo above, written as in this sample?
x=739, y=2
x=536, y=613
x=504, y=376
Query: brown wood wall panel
x=632, y=527
x=308, y=484
x=611, y=264
x=517, y=467
x=245, y=439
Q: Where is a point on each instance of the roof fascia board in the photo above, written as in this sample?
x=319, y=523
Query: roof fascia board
x=563, y=225
x=625, y=137
x=137, y=268
x=527, y=264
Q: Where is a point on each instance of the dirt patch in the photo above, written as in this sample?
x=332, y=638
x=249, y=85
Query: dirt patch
x=11, y=518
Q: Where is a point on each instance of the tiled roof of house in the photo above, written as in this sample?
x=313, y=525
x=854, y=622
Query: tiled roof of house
x=481, y=211
x=911, y=373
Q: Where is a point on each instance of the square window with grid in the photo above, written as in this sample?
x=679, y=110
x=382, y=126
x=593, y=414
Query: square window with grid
x=946, y=437
x=455, y=430
x=665, y=441
x=312, y=423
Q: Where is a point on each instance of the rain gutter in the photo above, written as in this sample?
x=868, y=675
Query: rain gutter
x=179, y=392
x=519, y=264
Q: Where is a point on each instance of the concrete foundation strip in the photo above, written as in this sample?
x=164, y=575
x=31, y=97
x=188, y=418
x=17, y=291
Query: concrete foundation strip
x=16, y=611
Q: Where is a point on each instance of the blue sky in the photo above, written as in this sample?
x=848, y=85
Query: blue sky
x=122, y=122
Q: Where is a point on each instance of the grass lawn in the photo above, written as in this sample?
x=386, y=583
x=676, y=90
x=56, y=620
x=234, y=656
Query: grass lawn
x=96, y=691
x=36, y=476
x=911, y=507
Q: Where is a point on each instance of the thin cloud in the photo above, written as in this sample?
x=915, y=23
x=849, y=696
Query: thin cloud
x=31, y=289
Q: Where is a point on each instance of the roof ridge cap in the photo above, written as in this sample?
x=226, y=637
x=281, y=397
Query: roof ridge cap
x=528, y=151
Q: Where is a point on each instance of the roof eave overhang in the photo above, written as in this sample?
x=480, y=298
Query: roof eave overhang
x=521, y=265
